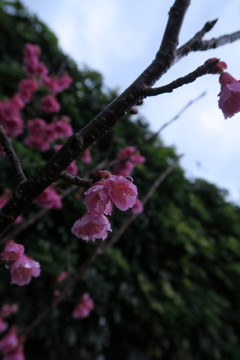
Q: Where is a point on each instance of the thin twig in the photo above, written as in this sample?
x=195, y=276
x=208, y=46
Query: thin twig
x=9, y=151
x=204, y=69
x=76, y=180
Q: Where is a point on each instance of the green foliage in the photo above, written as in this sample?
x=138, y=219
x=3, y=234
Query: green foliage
x=169, y=289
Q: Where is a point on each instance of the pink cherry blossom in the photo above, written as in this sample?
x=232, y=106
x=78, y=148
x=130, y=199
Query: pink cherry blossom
x=26, y=88
x=229, y=96
x=8, y=310
x=84, y=307
x=3, y=325
x=23, y=269
x=13, y=125
x=16, y=354
x=57, y=84
x=131, y=154
x=50, y=104
x=62, y=276
x=49, y=199
x=91, y=227
x=125, y=168
x=86, y=158
x=122, y=192
x=62, y=129
x=9, y=342
x=12, y=251
x=97, y=200
x=31, y=51
x=137, y=207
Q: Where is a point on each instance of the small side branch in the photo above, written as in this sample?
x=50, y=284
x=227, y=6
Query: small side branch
x=76, y=180
x=198, y=44
x=9, y=151
x=191, y=77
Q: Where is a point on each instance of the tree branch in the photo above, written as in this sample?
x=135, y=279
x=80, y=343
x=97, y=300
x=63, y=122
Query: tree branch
x=101, y=124
x=198, y=44
x=204, y=69
x=9, y=151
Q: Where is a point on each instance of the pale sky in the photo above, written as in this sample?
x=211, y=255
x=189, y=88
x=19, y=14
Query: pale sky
x=119, y=38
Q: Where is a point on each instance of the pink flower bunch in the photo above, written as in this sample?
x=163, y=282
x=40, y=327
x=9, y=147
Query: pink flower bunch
x=22, y=267
x=83, y=308
x=86, y=158
x=229, y=96
x=49, y=199
x=42, y=135
x=49, y=104
x=72, y=168
x=10, y=117
x=31, y=59
x=11, y=347
x=137, y=207
x=3, y=325
x=57, y=84
x=99, y=200
x=26, y=89
x=130, y=158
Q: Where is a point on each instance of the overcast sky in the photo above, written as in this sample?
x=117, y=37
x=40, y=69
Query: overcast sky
x=119, y=38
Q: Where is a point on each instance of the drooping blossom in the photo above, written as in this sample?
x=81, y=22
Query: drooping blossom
x=8, y=309
x=50, y=104
x=121, y=191
x=12, y=251
x=23, y=269
x=114, y=189
x=137, y=207
x=84, y=307
x=98, y=200
x=91, y=227
x=3, y=325
x=229, y=96
x=49, y=199
x=9, y=342
x=26, y=89
x=31, y=60
x=86, y=157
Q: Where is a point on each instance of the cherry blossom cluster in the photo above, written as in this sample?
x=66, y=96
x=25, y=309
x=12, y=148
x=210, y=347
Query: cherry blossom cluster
x=229, y=96
x=130, y=157
x=11, y=345
x=41, y=134
x=22, y=268
x=100, y=198
x=83, y=308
